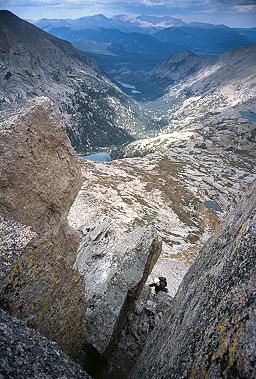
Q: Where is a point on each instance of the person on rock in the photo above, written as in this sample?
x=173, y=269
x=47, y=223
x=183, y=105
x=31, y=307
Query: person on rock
x=160, y=284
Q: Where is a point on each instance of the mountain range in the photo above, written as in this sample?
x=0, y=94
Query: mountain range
x=97, y=112
x=34, y=63
x=146, y=24
x=123, y=43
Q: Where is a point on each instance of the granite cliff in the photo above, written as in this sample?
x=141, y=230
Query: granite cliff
x=210, y=329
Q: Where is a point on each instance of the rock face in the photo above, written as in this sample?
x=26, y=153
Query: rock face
x=210, y=330
x=26, y=354
x=35, y=63
x=14, y=237
x=115, y=269
x=47, y=293
x=40, y=177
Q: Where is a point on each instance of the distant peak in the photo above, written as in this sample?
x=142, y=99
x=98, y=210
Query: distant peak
x=100, y=15
x=207, y=25
x=6, y=13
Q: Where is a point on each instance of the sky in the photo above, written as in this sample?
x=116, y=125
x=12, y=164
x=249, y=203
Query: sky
x=238, y=13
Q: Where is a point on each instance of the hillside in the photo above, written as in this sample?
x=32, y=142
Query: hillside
x=187, y=89
x=34, y=63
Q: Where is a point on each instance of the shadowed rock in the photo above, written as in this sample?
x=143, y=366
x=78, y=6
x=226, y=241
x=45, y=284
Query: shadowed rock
x=210, y=329
x=26, y=354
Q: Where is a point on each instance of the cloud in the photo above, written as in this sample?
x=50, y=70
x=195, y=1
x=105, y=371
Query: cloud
x=245, y=8
x=214, y=11
x=182, y=5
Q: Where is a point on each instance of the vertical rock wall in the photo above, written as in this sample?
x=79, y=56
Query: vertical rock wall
x=210, y=330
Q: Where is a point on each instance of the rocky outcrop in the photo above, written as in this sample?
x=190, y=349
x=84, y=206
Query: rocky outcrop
x=40, y=177
x=115, y=268
x=210, y=329
x=24, y=354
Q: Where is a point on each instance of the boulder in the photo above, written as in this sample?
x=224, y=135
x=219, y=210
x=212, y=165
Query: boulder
x=39, y=172
x=115, y=268
x=39, y=179
x=209, y=332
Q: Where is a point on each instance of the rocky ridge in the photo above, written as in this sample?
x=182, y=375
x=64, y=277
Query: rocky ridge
x=170, y=71
x=217, y=88
x=211, y=324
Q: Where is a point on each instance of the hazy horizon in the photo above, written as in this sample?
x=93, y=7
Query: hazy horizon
x=240, y=13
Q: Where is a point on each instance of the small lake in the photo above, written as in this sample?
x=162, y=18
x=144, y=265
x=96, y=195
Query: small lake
x=248, y=116
x=212, y=205
x=98, y=157
x=129, y=86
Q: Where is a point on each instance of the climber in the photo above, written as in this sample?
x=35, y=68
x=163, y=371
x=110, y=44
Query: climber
x=160, y=284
